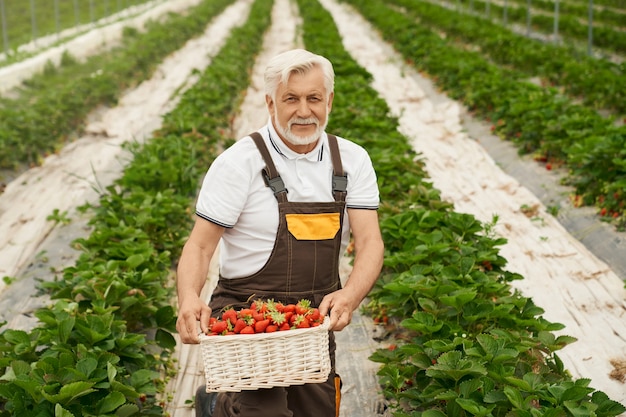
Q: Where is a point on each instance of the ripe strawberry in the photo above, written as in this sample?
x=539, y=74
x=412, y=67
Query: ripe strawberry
x=219, y=327
x=314, y=314
x=230, y=315
x=288, y=315
x=258, y=316
x=271, y=328
x=300, y=321
x=246, y=312
x=303, y=306
x=239, y=325
x=289, y=308
x=277, y=318
x=259, y=306
x=284, y=326
x=247, y=330
x=260, y=326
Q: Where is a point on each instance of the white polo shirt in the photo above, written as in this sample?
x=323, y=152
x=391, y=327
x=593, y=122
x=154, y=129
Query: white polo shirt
x=234, y=195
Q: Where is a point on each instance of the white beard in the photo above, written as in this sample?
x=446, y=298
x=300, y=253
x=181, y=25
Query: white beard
x=300, y=140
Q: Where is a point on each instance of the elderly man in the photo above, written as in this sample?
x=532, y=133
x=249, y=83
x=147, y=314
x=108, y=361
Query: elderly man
x=283, y=204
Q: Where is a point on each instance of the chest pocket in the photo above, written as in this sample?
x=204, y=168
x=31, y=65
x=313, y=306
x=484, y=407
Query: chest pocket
x=317, y=226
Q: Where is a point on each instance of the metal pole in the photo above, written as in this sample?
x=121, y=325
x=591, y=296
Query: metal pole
x=556, y=21
x=76, y=13
x=590, y=31
x=57, y=24
x=5, y=33
x=528, y=18
x=33, y=20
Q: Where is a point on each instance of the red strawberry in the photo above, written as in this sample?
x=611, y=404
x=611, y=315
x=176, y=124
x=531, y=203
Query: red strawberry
x=277, y=318
x=284, y=326
x=271, y=328
x=303, y=306
x=288, y=316
x=247, y=330
x=260, y=326
x=300, y=321
x=230, y=315
x=219, y=327
x=239, y=325
x=289, y=308
x=314, y=314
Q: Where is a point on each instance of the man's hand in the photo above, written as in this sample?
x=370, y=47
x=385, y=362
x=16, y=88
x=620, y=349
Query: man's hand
x=340, y=305
x=190, y=313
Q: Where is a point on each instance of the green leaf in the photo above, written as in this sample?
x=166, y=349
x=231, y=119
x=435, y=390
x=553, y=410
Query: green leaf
x=451, y=365
x=165, y=339
x=127, y=410
x=111, y=402
x=470, y=406
x=422, y=322
x=59, y=411
x=70, y=392
x=165, y=316
x=87, y=366
x=433, y=413
x=134, y=261
x=515, y=397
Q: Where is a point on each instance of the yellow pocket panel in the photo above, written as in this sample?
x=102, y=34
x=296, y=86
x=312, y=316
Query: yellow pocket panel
x=319, y=226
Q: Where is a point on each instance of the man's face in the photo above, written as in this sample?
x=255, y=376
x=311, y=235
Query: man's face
x=300, y=111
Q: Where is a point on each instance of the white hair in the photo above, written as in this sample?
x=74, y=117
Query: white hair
x=296, y=61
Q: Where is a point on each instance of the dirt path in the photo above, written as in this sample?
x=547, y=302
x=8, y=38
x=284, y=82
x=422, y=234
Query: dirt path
x=562, y=276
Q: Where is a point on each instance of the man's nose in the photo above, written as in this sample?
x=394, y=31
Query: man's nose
x=304, y=110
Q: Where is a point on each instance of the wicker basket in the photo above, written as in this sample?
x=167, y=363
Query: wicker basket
x=264, y=360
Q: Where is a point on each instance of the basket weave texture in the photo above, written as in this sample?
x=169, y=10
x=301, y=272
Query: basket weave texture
x=264, y=360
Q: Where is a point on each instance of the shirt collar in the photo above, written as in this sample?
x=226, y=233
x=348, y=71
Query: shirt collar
x=315, y=155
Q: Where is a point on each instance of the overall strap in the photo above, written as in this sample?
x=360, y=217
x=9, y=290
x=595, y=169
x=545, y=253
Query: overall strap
x=270, y=174
x=340, y=178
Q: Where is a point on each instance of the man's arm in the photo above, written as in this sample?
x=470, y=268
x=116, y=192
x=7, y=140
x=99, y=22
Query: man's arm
x=368, y=262
x=193, y=269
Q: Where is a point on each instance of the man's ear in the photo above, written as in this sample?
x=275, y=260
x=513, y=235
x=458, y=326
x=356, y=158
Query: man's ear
x=271, y=108
x=330, y=101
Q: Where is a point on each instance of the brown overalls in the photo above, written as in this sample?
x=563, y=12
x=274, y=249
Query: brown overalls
x=303, y=265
